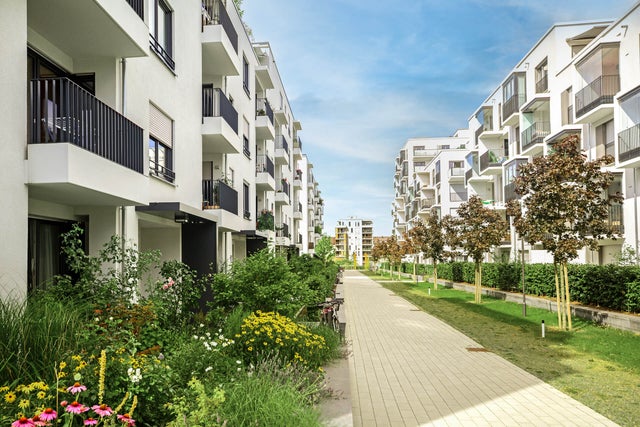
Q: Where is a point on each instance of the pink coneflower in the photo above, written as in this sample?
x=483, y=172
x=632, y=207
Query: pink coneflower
x=37, y=421
x=23, y=422
x=90, y=422
x=102, y=410
x=76, y=388
x=48, y=415
x=126, y=419
x=64, y=403
x=76, y=408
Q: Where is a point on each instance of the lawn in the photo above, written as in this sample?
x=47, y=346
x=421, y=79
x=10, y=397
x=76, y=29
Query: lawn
x=597, y=366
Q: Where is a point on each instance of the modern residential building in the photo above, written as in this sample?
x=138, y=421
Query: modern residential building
x=172, y=130
x=353, y=237
x=581, y=79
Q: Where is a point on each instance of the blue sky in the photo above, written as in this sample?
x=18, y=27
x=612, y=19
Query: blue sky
x=364, y=76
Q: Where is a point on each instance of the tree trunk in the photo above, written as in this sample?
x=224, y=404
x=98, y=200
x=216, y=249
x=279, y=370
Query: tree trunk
x=480, y=282
x=435, y=275
x=415, y=276
x=567, y=295
x=558, y=304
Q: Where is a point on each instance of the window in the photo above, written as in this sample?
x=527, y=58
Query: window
x=245, y=138
x=245, y=75
x=605, y=139
x=245, y=201
x=542, y=83
x=160, y=144
x=161, y=31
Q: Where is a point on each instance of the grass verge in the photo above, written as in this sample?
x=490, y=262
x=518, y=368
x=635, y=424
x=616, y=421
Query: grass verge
x=597, y=366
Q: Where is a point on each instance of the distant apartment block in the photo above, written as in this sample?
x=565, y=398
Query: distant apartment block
x=172, y=129
x=353, y=238
x=581, y=79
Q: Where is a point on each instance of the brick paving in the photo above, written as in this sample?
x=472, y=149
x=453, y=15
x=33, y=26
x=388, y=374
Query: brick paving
x=408, y=368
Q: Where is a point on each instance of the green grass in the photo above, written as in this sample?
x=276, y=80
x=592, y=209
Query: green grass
x=597, y=366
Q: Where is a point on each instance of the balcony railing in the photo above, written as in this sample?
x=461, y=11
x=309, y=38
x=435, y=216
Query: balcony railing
x=598, y=92
x=265, y=164
x=283, y=187
x=492, y=158
x=138, y=7
x=458, y=196
x=216, y=104
x=542, y=85
x=263, y=108
x=217, y=194
x=629, y=143
x=214, y=13
x=510, y=192
x=61, y=111
x=456, y=172
x=615, y=219
x=246, y=150
x=512, y=105
x=281, y=143
x=478, y=133
x=282, y=230
x=535, y=134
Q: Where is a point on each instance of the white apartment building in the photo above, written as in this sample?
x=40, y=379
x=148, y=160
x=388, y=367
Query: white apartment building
x=354, y=236
x=580, y=78
x=156, y=120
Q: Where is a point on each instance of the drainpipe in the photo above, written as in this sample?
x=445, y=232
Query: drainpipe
x=123, y=92
x=635, y=211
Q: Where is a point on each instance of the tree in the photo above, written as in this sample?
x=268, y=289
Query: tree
x=324, y=249
x=395, y=252
x=412, y=243
x=565, y=207
x=428, y=238
x=475, y=230
x=379, y=250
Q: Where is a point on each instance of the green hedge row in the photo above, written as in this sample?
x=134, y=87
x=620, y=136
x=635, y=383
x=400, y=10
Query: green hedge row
x=608, y=286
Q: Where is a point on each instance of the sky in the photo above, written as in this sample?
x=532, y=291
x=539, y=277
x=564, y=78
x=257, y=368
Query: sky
x=363, y=76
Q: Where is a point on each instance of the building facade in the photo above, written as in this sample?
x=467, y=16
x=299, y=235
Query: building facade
x=353, y=239
x=579, y=79
x=171, y=130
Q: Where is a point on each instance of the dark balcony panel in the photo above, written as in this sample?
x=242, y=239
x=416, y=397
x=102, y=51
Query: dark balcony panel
x=615, y=219
x=61, y=111
x=216, y=104
x=512, y=105
x=138, y=7
x=510, y=192
x=629, y=143
x=263, y=108
x=468, y=175
x=542, y=85
x=218, y=195
x=478, y=133
x=282, y=144
x=535, y=134
x=214, y=13
x=284, y=187
x=299, y=143
x=265, y=164
x=598, y=92
x=245, y=147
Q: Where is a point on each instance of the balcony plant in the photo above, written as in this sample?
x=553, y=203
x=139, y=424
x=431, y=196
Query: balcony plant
x=265, y=220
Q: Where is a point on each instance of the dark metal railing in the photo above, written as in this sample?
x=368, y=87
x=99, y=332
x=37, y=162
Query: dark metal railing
x=282, y=230
x=265, y=164
x=263, y=108
x=281, y=143
x=616, y=218
x=283, y=187
x=542, y=85
x=629, y=143
x=512, y=105
x=161, y=171
x=62, y=111
x=245, y=147
x=598, y=92
x=246, y=214
x=214, y=13
x=138, y=7
x=298, y=143
x=535, y=134
x=218, y=195
x=437, y=177
x=162, y=52
x=216, y=104
x=492, y=158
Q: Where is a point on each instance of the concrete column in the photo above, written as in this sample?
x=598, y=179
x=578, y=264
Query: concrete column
x=13, y=139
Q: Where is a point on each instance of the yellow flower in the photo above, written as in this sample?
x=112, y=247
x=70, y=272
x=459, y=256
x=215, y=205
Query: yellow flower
x=77, y=358
x=249, y=348
x=61, y=374
x=63, y=365
x=24, y=404
x=41, y=395
x=4, y=389
x=10, y=397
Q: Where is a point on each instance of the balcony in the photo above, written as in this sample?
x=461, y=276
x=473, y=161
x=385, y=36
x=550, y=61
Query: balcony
x=511, y=108
x=217, y=194
x=265, y=173
x=629, y=146
x=456, y=174
x=219, y=122
x=297, y=213
x=81, y=148
x=596, y=100
x=91, y=28
x=283, y=237
x=282, y=150
x=534, y=134
x=219, y=41
x=615, y=219
x=491, y=161
x=264, y=120
x=264, y=67
x=283, y=193
x=542, y=85
x=423, y=155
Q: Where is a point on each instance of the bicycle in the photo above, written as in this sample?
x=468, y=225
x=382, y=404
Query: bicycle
x=329, y=316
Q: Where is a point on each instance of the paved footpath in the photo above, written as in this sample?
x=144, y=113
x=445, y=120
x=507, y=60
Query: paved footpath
x=408, y=368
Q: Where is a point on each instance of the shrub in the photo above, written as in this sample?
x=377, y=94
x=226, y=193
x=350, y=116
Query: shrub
x=263, y=334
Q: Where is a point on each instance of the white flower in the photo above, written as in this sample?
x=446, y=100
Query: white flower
x=239, y=369
x=208, y=369
x=214, y=343
x=134, y=376
x=97, y=319
x=239, y=362
x=195, y=337
x=202, y=325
